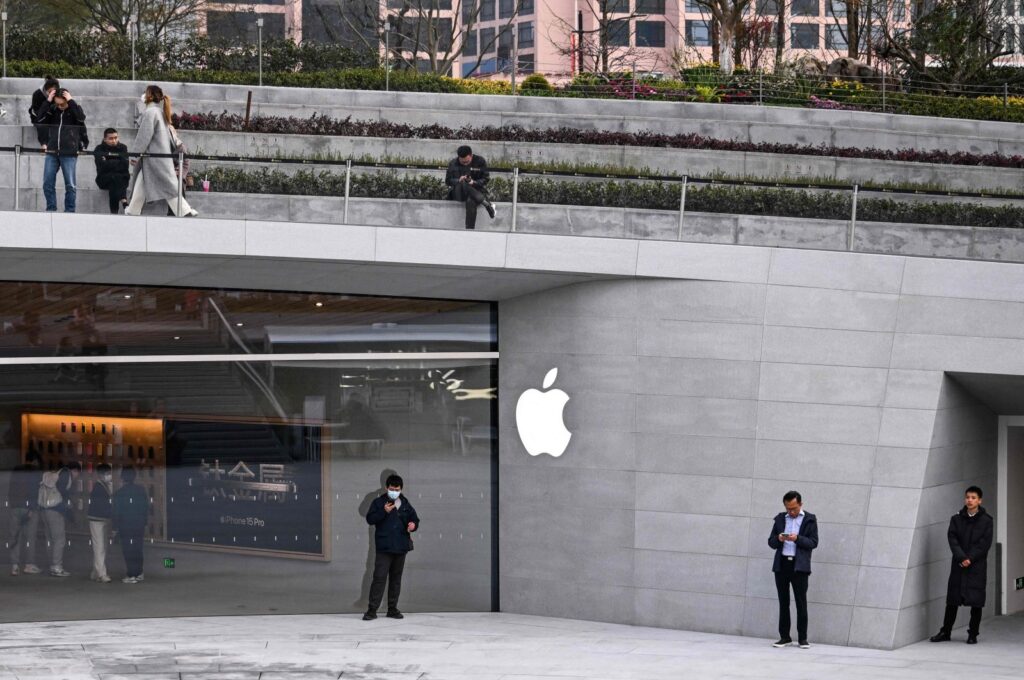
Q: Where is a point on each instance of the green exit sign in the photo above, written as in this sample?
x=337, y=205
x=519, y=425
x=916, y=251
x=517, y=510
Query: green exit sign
x=169, y=564
x=1020, y=583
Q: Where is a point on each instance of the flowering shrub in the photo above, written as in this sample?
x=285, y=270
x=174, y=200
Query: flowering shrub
x=346, y=127
x=829, y=104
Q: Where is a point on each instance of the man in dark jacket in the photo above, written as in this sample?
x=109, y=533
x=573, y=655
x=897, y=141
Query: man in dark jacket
x=794, y=535
x=395, y=520
x=467, y=179
x=129, y=514
x=63, y=122
x=112, y=170
x=23, y=493
x=970, y=537
x=40, y=97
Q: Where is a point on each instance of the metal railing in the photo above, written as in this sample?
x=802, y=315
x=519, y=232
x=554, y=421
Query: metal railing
x=515, y=175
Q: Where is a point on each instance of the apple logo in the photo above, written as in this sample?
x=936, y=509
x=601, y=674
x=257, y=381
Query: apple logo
x=539, y=419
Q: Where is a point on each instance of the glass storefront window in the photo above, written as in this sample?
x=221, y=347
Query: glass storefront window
x=252, y=478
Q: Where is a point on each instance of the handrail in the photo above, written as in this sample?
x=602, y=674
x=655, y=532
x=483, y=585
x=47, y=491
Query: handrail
x=261, y=384
x=691, y=179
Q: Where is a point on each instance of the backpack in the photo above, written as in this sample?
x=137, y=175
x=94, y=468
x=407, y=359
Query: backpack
x=49, y=496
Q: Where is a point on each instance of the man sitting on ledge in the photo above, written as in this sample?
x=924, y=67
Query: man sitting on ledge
x=467, y=179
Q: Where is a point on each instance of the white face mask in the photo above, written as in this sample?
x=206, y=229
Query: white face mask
x=109, y=479
x=393, y=495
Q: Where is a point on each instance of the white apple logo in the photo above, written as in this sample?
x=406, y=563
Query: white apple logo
x=539, y=419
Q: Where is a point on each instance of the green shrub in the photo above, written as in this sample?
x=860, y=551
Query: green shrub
x=536, y=82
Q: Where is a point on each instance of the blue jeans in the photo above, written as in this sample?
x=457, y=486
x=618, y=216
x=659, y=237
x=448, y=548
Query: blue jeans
x=67, y=165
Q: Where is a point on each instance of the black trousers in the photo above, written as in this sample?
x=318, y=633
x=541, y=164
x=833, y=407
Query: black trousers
x=387, y=567
x=117, y=188
x=131, y=546
x=472, y=197
x=949, y=619
x=798, y=580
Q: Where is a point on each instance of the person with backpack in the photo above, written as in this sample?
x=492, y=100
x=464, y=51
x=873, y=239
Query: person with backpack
x=130, y=514
x=24, y=522
x=100, y=511
x=54, y=501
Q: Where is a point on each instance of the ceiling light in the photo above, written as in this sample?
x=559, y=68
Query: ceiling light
x=319, y=304
x=127, y=296
x=239, y=324
x=177, y=337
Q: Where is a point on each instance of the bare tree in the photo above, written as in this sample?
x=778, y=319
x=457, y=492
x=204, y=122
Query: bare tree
x=949, y=43
x=426, y=34
x=607, y=40
x=156, y=18
x=728, y=15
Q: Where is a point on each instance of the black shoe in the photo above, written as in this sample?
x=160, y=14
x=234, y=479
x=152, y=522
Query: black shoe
x=941, y=636
x=369, y=616
x=784, y=642
x=804, y=644
x=470, y=226
x=395, y=614
x=489, y=207
x=972, y=639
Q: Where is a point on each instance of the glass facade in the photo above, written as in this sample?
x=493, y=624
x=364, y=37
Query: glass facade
x=258, y=427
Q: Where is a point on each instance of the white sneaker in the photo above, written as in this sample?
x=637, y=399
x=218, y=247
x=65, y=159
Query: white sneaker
x=59, y=571
x=140, y=578
x=14, y=570
x=32, y=569
x=131, y=580
x=103, y=579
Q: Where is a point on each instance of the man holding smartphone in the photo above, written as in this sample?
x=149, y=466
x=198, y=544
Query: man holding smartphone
x=467, y=179
x=794, y=535
x=395, y=520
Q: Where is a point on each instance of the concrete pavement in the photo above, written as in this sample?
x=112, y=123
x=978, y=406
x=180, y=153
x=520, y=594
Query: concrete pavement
x=465, y=646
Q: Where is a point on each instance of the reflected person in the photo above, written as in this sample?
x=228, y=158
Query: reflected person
x=99, y=520
x=970, y=538
x=130, y=512
x=56, y=511
x=24, y=518
x=395, y=520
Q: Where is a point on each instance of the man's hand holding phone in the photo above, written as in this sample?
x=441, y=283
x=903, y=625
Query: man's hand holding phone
x=389, y=506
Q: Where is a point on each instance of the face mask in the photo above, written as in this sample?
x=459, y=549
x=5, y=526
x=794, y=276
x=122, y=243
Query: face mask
x=108, y=478
x=143, y=99
x=393, y=495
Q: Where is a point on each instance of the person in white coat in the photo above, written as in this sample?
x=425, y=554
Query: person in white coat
x=154, y=179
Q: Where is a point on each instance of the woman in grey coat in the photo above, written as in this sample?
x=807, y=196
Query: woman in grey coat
x=154, y=179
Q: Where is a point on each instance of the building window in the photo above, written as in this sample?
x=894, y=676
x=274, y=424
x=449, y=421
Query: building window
x=804, y=36
x=698, y=33
x=526, y=34
x=833, y=8
x=805, y=8
x=835, y=38
x=650, y=34
x=526, y=63
x=525, y=8
x=505, y=44
x=485, y=67
x=486, y=40
x=1011, y=7
x=767, y=8
x=615, y=6
x=469, y=45
x=694, y=6
x=506, y=8
x=411, y=4
x=618, y=33
x=486, y=10
x=899, y=11
x=468, y=11
x=650, y=6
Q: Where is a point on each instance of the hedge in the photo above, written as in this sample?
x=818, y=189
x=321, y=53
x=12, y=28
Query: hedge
x=829, y=205
x=323, y=125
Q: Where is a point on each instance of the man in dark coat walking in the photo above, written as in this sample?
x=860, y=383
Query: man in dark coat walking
x=970, y=537
x=467, y=179
x=395, y=520
x=794, y=535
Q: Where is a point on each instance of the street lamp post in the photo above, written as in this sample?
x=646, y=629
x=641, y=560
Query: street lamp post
x=515, y=56
x=133, y=27
x=259, y=31
x=3, y=18
x=387, y=55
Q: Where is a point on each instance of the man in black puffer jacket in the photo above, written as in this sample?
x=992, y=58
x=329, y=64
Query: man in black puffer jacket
x=112, y=170
x=62, y=121
x=970, y=538
x=395, y=520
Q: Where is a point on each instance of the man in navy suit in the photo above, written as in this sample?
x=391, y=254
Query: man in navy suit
x=794, y=535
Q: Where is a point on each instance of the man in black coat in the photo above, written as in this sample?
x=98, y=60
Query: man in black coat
x=62, y=121
x=970, y=537
x=112, y=170
x=467, y=179
x=794, y=535
x=395, y=520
